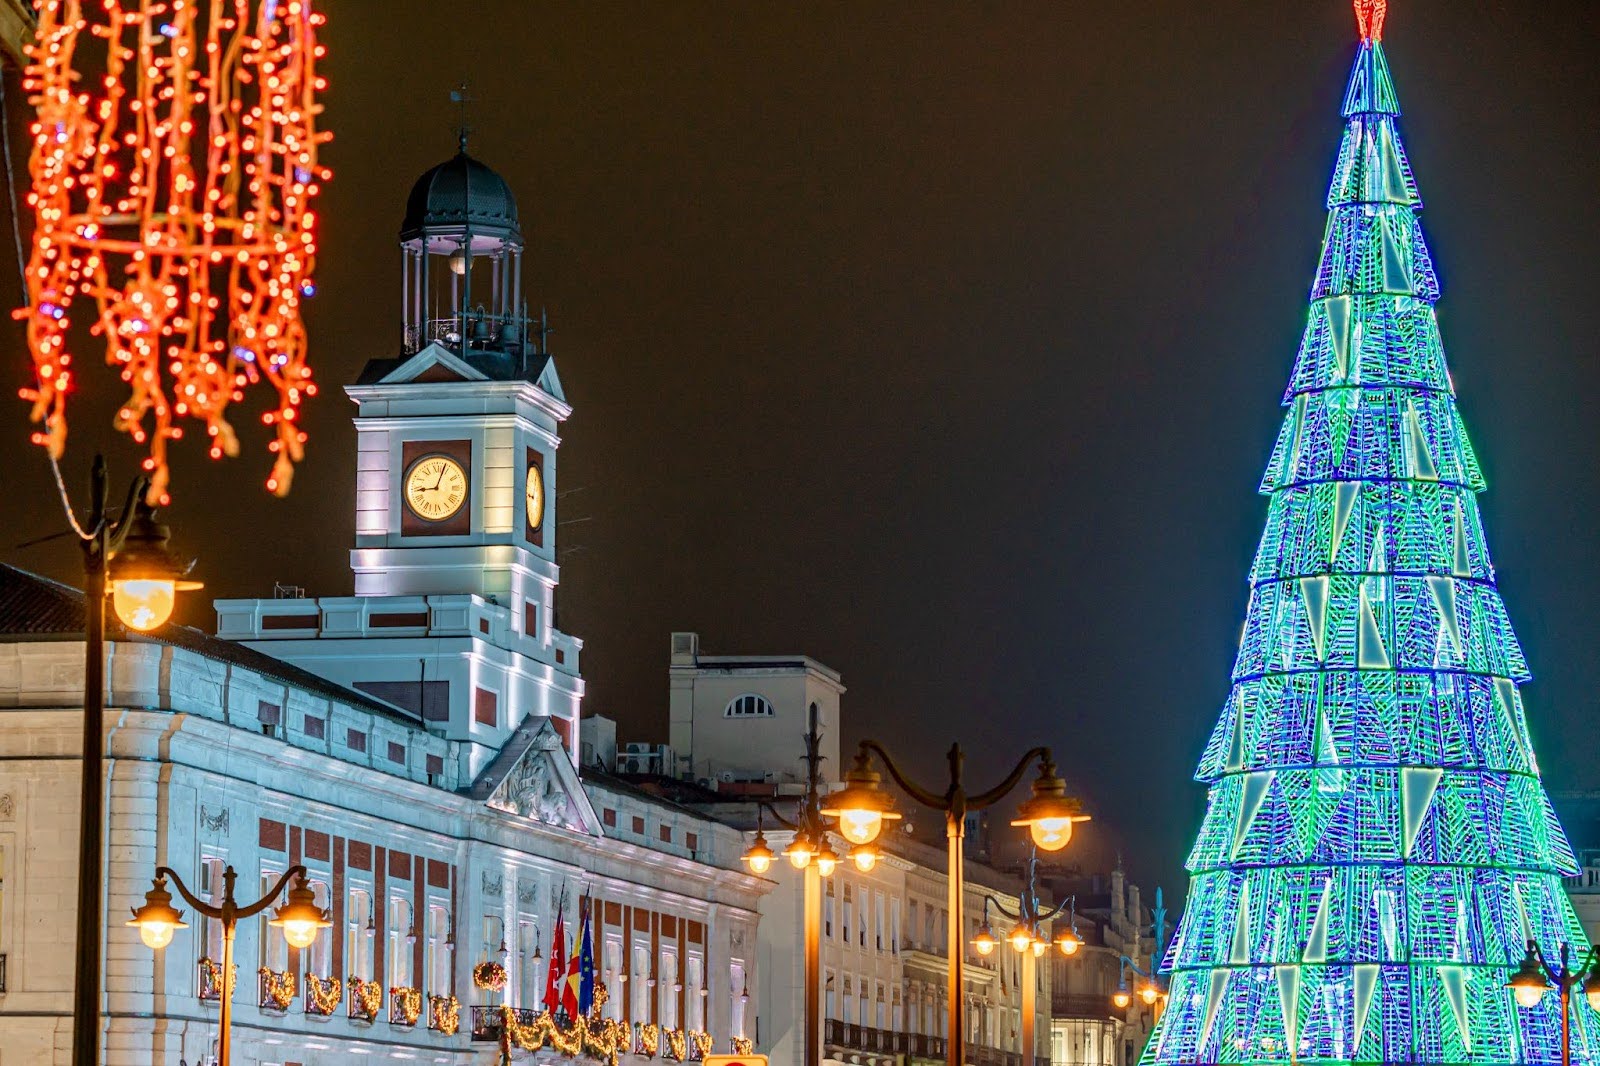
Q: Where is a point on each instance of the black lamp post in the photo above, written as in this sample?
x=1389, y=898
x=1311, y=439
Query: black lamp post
x=1536, y=977
x=127, y=557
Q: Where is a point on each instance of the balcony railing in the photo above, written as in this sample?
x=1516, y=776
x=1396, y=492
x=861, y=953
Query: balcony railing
x=275, y=990
x=1080, y=1005
x=405, y=1006
x=486, y=1022
x=980, y=1055
x=866, y=1038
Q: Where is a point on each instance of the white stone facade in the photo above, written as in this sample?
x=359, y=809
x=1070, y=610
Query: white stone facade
x=423, y=878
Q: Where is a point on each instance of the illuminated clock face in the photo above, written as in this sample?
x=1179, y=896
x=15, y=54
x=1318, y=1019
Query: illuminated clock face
x=436, y=487
x=534, y=491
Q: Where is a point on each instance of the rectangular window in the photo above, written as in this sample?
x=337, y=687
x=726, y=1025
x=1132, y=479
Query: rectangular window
x=319, y=959
x=356, y=740
x=530, y=619
x=848, y=909
x=314, y=727
x=274, y=949
x=827, y=910
x=741, y=994
x=401, y=936
x=528, y=964
x=268, y=714
x=397, y=753
x=877, y=919
x=359, y=932
x=638, y=826
x=691, y=841
x=666, y=834
x=828, y=996
x=609, y=817
x=694, y=1006
x=894, y=928
x=439, y=951
x=211, y=890
x=435, y=765
x=639, y=982
x=485, y=707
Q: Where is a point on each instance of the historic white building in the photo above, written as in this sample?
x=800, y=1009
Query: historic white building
x=414, y=746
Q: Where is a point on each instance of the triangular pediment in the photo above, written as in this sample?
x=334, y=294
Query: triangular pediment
x=533, y=777
x=433, y=363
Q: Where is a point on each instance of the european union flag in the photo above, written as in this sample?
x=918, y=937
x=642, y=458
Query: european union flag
x=585, y=967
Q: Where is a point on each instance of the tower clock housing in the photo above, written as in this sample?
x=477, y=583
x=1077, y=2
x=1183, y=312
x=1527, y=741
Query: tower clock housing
x=454, y=559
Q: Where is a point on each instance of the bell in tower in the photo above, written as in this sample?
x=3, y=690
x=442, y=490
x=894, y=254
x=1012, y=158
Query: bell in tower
x=462, y=259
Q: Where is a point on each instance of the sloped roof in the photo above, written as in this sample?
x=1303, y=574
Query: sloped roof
x=34, y=607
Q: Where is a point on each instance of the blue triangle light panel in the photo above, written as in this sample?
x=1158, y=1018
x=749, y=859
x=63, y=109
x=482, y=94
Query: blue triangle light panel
x=1377, y=846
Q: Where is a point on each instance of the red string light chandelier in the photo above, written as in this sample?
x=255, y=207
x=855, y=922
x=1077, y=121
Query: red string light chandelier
x=174, y=169
x=1369, y=18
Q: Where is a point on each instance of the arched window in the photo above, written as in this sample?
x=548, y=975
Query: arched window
x=748, y=706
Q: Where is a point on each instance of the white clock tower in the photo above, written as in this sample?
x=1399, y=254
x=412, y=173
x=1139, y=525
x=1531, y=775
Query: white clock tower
x=454, y=560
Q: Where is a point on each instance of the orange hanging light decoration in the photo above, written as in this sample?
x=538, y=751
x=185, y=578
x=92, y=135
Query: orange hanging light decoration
x=1369, y=19
x=174, y=169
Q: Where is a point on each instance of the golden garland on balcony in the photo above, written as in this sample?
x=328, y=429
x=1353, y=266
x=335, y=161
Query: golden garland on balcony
x=405, y=1004
x=602, y=1038
x=649, y=1039
x=677, y=1044
x=366, y=997
x=277, y=988
x=742, y=1045
x=446, y=1013
x=489, y=976
x=211, y=978
x=701, y=1043
x=323, y=994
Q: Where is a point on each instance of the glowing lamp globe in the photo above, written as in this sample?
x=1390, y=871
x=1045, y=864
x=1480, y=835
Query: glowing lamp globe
x=827, y=861
x=800, y=851
x=144, y=576
x=1049, y=813
x=1149, y=993
x=1039, y=948
x=300, y=918
x=1068, y=943
x=862, y=806
x=985, y=942
x=143, y=605
x=157, y=920
x=865, y=856
x=1528, y=985
x=1121, y=998
x=1020, y=938
x=758, y=856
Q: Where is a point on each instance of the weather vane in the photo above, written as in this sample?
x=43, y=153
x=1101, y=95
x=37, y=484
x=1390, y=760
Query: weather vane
x=460, y=97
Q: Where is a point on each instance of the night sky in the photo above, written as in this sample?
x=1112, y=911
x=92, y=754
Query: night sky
x=943, y=343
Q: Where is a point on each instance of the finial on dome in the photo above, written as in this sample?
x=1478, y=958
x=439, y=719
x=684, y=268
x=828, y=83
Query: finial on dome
x=459, y=96
x=1369, y=17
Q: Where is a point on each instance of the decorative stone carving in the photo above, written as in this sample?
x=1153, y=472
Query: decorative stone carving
x=527, y=892
x=493, y=886
x=533, y=790
x=213, y=822
x=8, y=806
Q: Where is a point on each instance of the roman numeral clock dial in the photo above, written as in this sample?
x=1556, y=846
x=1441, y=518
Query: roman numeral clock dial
x=436, y=488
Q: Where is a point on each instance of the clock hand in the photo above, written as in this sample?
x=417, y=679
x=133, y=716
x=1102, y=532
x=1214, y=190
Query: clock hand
x=439, y=480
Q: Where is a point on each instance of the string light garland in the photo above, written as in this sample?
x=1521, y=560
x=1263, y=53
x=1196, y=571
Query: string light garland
x=323, y=995
x=174, y=168
x=277, y=988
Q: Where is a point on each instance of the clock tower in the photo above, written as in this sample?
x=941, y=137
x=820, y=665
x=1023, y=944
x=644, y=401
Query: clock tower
x=454, y=558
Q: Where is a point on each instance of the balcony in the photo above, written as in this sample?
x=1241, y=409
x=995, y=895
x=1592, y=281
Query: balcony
x=865, y=1038
x=486, y=1022
x=275, y=990
x=1081, y=1005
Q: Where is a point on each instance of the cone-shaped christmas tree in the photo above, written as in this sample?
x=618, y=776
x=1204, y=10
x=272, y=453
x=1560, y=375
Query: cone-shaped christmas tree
x=1377, y=847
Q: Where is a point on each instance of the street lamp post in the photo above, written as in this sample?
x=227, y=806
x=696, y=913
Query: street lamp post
x=862, y=806
x=299, y=918
x=1536, y=977
x=809, y=852
x=1028, y=940
x=1151, y=992
x=128, y=558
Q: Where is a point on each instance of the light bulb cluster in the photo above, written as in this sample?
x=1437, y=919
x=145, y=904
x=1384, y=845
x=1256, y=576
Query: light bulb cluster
x=173, y=172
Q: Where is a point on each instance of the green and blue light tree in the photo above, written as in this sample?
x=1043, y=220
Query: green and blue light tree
x=1377, y=847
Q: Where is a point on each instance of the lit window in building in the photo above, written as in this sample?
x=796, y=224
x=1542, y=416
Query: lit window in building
x=694, y=1005
x=666, y=983
x=748, y=706
x=319, y=956
x=402, y=957
x=439, y=961
x=359, y=933
x=738, y=989
x=274, y=949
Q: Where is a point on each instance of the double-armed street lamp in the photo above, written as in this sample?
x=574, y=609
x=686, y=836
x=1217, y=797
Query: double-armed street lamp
x=1151, y=992
x=300, y=919
x=1027, y=939
x=863, y=805
x=127, y=558
x=1536, y=977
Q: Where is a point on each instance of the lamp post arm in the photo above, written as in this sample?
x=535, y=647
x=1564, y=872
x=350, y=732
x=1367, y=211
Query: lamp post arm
x=992, y=901
x=1000, y=791
x=272, y=894
x=914, y=790
x=166, y=873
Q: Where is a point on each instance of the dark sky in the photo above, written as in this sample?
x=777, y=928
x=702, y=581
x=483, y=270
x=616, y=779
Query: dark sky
x=944, y=343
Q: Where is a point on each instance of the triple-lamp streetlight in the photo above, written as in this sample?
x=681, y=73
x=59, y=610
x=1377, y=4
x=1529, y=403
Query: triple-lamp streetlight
x=300, y=919
x=1536, y=977
x=1027, y=939
x=809, y=851
x=128, y=559
x=863, y=805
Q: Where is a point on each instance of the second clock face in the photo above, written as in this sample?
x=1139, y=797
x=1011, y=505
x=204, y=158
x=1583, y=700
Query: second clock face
x=534, y=492
x=436, y=488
